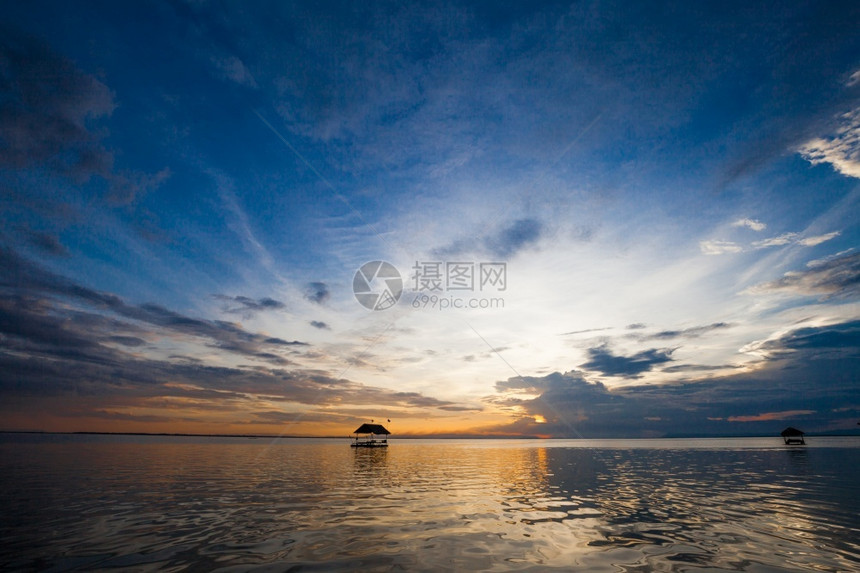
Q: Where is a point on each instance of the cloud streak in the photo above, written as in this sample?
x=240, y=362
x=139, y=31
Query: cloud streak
x=247, y=306
x=693, y=332
x=714, y=247
x=25, y=276
x=832, y=278
x=719, y=247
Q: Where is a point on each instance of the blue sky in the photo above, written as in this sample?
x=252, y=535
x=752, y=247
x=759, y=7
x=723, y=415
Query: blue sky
x=188, y=189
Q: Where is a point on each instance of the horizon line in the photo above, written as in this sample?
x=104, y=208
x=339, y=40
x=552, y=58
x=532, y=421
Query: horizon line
x=851, y=433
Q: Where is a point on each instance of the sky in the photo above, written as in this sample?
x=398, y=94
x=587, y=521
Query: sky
x=590, y=219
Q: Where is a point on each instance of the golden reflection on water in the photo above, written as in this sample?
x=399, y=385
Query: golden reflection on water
x=426, y=506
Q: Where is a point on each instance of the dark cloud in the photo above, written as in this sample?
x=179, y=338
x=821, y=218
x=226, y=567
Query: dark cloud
x=28, y=326
x=816, y=342
x=246, y=306
x=135, y=380
x=810, y=383
x=604, y=361
x=693, y=332
x=126, y=187
x=417, y=399
x=504, y=243
x=519, y=235
x=324, y=416
x=122, y=416
x=454, y=408
x=838, y=277
x=48, y=244
x=541, y=383
x=40, y=363
x=25, y=276
x=61, y=340
x=584, y=331
x=565, y=401
x=224, y=335
x=845, y=336
x=49, y=116
x=696, y=368
x=282, y=342
x=317, y=292
x=319, y=324
x=131, y=341
x=46, y=108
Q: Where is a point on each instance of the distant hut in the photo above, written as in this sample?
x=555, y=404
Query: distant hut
x=792, y=436
x=370, y=436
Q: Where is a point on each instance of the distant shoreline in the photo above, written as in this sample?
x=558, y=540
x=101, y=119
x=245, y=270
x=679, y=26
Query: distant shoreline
x=411, y=436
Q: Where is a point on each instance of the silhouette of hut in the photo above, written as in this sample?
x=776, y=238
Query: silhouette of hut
x=792, y=435
x=366, y=436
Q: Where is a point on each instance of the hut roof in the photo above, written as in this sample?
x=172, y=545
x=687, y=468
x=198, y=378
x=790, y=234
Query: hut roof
x=371, y=429
x=791, y=431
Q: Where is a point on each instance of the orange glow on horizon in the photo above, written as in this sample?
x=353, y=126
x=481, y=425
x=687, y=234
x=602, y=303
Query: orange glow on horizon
x=191, y=420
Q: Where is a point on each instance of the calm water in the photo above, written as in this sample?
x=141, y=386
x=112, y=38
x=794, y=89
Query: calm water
x=188, y=504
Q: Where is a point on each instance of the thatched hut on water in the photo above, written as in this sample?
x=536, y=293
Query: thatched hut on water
x=366, y=436
x=792, y=435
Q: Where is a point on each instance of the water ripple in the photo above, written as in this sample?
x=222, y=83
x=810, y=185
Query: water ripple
x=238, y=505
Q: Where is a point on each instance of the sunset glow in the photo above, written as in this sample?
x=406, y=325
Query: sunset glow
x=477, y=220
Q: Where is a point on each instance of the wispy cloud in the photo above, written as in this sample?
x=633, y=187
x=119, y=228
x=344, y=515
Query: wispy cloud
x=247, y=306
x=713, y=247
x=784, y=239
x=585, y=331
x=241, y=224
x=753, y=224
x=836, y=277
x=817, y=240
x=842, y=150
x=233, y=69
x=828, y=258
x=719, y=247
x=692, y=332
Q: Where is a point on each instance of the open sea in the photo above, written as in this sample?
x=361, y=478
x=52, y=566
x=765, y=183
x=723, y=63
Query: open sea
x=84, y=503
